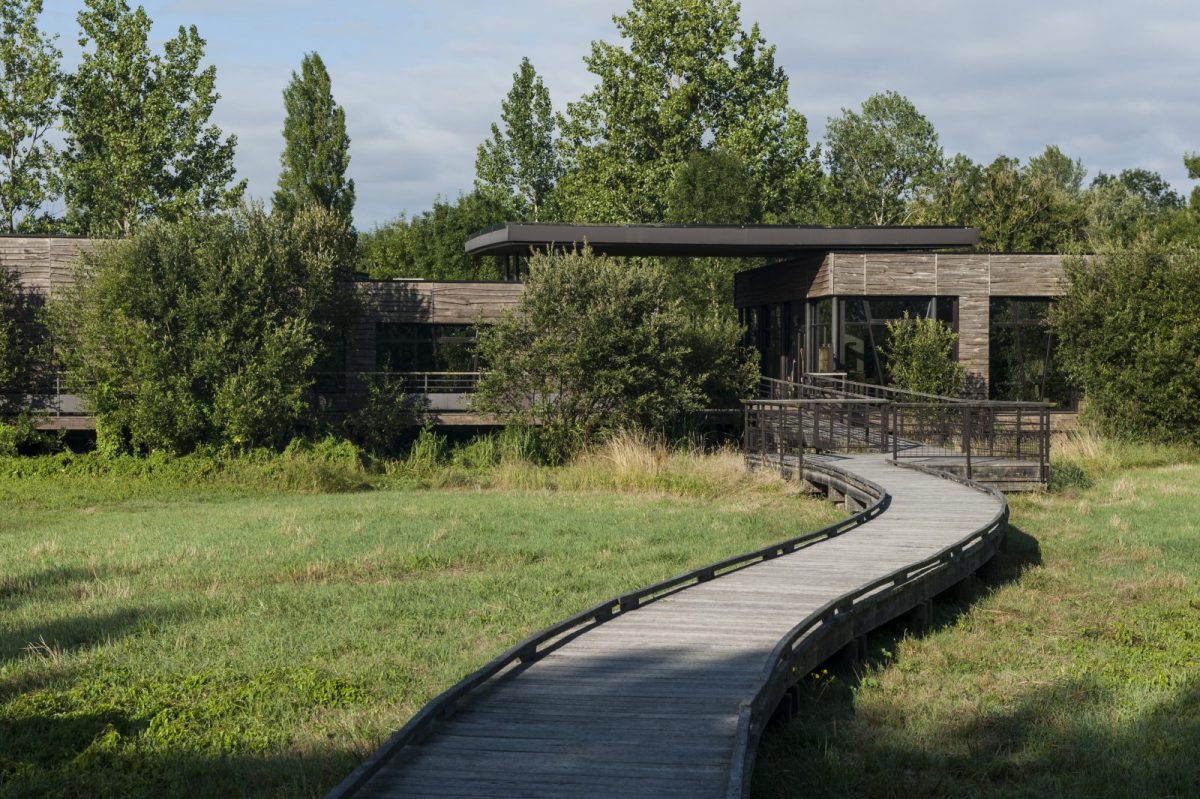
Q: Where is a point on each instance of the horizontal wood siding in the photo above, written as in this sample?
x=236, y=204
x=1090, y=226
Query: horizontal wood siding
x=897, y=274
x=973, y=317
x=959, y=275
x=42, y=263
x=1027, y=276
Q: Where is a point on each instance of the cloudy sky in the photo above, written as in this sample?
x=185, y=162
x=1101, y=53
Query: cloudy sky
x=1116, y=84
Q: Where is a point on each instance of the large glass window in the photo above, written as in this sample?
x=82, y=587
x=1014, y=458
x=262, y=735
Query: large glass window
x=865, y=334
x=406, y=347
x=1021, y=353
x=820, y=335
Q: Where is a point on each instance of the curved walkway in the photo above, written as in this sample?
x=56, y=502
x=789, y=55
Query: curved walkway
x=670, y=700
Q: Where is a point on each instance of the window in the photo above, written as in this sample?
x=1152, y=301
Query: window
x=404, y=347
x=1021, y=353
x=820, y=335
x=865, y=334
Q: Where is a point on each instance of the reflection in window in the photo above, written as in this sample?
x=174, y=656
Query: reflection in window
x=820, y=336
x=865, y=334
x=408, y=347
x=1021, y=353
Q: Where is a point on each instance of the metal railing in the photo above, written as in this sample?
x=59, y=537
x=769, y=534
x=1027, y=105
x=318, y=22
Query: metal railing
x=1012, y=439
x=408, y=382
x=869, y=495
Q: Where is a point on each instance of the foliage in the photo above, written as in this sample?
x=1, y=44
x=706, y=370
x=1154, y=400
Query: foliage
x=430, y=245
x=954, y=197
x=521, y=163
x=880, y=160
x=1192, y=163
x=711, y=187
x=212, y=639
x=1057, y=168
x=1121, y=207
x=1129, y=336
x=316, y=148
x=30, y=75
x=204, y=331
x=920, y=356
x=138, y=142
x=381, y=425
x=1021, y=209
x=596, y=344
x=689, y=79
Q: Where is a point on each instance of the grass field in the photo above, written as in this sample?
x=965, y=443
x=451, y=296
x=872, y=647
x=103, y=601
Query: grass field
x=185, y=630
x=1076, y=675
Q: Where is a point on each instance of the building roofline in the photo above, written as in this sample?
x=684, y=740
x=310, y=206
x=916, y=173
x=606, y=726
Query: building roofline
x=744, y=241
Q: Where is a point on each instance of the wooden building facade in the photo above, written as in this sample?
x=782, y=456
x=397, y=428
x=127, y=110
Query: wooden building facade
x=827, y=312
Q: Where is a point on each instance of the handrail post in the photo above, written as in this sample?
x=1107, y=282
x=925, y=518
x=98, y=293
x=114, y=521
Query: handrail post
x=967, y=437
x=895, y=431
x=1019, y=432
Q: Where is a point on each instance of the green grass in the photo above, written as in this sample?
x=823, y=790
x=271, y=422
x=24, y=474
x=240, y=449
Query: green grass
x=202, y=630
x=1077, y=675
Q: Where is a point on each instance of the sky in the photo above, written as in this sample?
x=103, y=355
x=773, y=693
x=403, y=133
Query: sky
x=1114, y=84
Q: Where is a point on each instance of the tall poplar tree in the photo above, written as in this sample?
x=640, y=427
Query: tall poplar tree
x=690, y=79
x=138, y=140
x=316, y=149
x=520, y=162
x=30, y=77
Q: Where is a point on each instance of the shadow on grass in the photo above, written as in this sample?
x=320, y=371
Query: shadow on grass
x=1056, y=739
x=51, y=641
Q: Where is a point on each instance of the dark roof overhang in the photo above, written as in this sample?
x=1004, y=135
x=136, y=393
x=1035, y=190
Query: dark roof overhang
x=520, y=238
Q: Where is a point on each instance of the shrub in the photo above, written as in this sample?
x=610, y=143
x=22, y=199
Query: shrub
x=1129, y=336
x=204, y=331
x=920, y=357
x=595, y=345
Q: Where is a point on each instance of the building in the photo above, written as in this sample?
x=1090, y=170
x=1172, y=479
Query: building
x=822, y=301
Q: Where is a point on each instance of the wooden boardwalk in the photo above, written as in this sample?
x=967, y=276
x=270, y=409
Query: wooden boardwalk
x=669, y=699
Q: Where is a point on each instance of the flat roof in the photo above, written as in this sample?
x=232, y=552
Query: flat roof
x=519, y=238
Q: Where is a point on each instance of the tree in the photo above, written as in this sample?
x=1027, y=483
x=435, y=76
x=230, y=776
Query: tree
x=954, y=199
x=1129, y=336
x=711, y=187
x=1057, y=167
x=596, y=344
x=1119, y=208
x=880, y=160
x=920, y=357
x=138, y=142
x=1192, y=163
x=430, y=245
x=690, y=79
x=30, y=75
x=203, y=331
x=520, y=163
x=1019, y=210
x=316, y=148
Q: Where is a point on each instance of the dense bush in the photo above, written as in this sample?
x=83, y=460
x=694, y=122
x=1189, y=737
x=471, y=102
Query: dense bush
x=596, y=344
x=1129, y=333
x=205, y=331
x=920, y=357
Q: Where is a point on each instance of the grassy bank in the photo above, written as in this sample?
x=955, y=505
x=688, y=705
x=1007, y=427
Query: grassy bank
x=1077, y=675
x=200, y=628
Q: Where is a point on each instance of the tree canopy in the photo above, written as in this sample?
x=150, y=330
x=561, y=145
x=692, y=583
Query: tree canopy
x=690, y=78
x=138, y=140
x=879, y=160
x=316, y=149
x=30, y=75
x=520, y=163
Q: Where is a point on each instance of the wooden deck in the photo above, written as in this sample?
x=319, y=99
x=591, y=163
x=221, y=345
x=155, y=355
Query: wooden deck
x=668, y=697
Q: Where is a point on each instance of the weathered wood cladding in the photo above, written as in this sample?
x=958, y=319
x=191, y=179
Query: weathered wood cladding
x=971, y=277
x=42, y=263
x=947, y=275
x=421, y=302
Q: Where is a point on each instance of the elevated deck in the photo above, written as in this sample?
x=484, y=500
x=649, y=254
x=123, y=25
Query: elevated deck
x=664, y=692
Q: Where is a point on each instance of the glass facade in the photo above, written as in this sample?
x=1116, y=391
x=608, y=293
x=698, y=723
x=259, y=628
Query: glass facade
x=865, y=335
x=408, y=347
x=1021, y=353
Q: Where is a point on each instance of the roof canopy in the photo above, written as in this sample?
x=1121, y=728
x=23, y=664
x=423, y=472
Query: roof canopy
x=519, y=238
